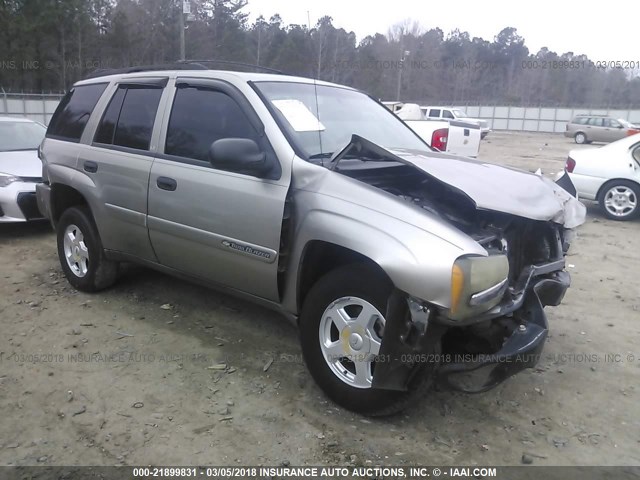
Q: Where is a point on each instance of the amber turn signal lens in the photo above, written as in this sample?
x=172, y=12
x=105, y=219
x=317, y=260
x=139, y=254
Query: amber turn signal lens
x=457, y=286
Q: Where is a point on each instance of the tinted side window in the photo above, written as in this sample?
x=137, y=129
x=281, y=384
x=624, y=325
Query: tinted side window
x=107, y=127
x=73, y=112
x=447, y=114
x=199, y=117
x=137, y=115
x=434, y=112
x=581, y=120
x=610, y=122
x=596, y=122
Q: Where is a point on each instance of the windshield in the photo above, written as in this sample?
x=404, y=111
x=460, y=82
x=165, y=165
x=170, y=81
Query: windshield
x=460, y=113
x=624, y=123
x=20, y=136
x=320, y=129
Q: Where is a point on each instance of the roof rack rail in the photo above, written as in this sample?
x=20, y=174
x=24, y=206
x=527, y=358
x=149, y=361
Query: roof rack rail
x=232, y=63
x=103, y=72
x=179, y=65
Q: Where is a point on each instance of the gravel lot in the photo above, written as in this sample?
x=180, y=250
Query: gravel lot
x=159, y=371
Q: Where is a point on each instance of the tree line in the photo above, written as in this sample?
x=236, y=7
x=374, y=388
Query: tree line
x=46, y=45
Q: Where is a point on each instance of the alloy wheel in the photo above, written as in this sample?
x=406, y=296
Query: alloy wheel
x=75, y=251
x=620, y=201
x=350, y=336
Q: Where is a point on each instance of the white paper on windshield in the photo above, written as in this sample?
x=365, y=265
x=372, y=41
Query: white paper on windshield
x=298, y=115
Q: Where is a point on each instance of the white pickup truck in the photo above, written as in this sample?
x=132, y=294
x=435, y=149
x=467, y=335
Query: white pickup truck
x=451, y=136
x=450, y=113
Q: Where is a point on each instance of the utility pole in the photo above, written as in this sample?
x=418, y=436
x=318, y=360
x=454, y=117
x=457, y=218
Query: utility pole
x=184, y=5
x=404, y=55
x=259, y=41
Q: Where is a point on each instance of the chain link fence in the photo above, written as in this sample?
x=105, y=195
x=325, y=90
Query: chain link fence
x=38, y=107
x=539, y=119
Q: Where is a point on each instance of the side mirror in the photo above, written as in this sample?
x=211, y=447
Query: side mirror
x=241, y=155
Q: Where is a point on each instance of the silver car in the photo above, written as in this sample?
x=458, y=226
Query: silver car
x=401, y=266
x=20, y=169
x=599, y=128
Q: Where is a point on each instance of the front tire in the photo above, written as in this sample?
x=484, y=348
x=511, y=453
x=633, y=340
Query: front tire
x=619, y=200
x=80, y=252
x=341, y=328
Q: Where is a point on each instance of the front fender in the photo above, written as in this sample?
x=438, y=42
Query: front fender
x=417, y=262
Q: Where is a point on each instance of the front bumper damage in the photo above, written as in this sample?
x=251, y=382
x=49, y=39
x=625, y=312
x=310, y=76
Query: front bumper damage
x=411, y=344
x=522, y=349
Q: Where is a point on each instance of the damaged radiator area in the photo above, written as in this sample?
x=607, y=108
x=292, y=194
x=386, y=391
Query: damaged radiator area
x=524, y=241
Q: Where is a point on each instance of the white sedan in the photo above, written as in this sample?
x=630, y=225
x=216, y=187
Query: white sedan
x=609, y=175
x=20, y=169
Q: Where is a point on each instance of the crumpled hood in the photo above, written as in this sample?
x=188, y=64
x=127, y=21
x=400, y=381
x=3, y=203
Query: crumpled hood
x=501, y=189
x=24, y=163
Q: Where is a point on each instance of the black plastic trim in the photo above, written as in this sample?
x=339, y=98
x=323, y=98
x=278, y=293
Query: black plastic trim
x=143, y=82
x=118, y=148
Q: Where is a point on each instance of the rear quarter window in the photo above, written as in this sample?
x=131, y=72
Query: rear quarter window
x=73, y=112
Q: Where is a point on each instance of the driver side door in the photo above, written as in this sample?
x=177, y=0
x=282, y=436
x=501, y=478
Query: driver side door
x=222, y=226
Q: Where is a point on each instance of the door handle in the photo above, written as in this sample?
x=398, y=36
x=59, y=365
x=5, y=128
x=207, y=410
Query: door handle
x=166, y=183
x=91, y=167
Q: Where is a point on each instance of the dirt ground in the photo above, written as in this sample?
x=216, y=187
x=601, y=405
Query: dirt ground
x=131, y=375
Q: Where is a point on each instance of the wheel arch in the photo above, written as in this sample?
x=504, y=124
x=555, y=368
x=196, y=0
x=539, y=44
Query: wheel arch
x=63, y=197
x=577, y=132
x=612, y=181
x=319, y=257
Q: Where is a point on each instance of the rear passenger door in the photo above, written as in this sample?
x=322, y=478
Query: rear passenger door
x=222, y=226
x=118, y=161
x=595, y=130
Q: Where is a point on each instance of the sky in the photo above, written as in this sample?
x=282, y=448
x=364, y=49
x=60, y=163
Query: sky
x=603, y=30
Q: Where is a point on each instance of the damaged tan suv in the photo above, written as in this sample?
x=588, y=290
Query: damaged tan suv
x=401, y=266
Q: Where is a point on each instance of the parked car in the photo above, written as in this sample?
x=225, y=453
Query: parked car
x=20, y=169
x=609, y=175
x=315, y=200
x=599, y=128
x=452, y=136
x=450, y=113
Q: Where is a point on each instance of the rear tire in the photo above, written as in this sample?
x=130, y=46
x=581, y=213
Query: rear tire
x=80, y=252
x=580, y=138
x=351, y=286
x=619, y=200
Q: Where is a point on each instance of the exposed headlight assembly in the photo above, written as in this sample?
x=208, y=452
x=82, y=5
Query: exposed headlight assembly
x=6, y=179
x=477, y=285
